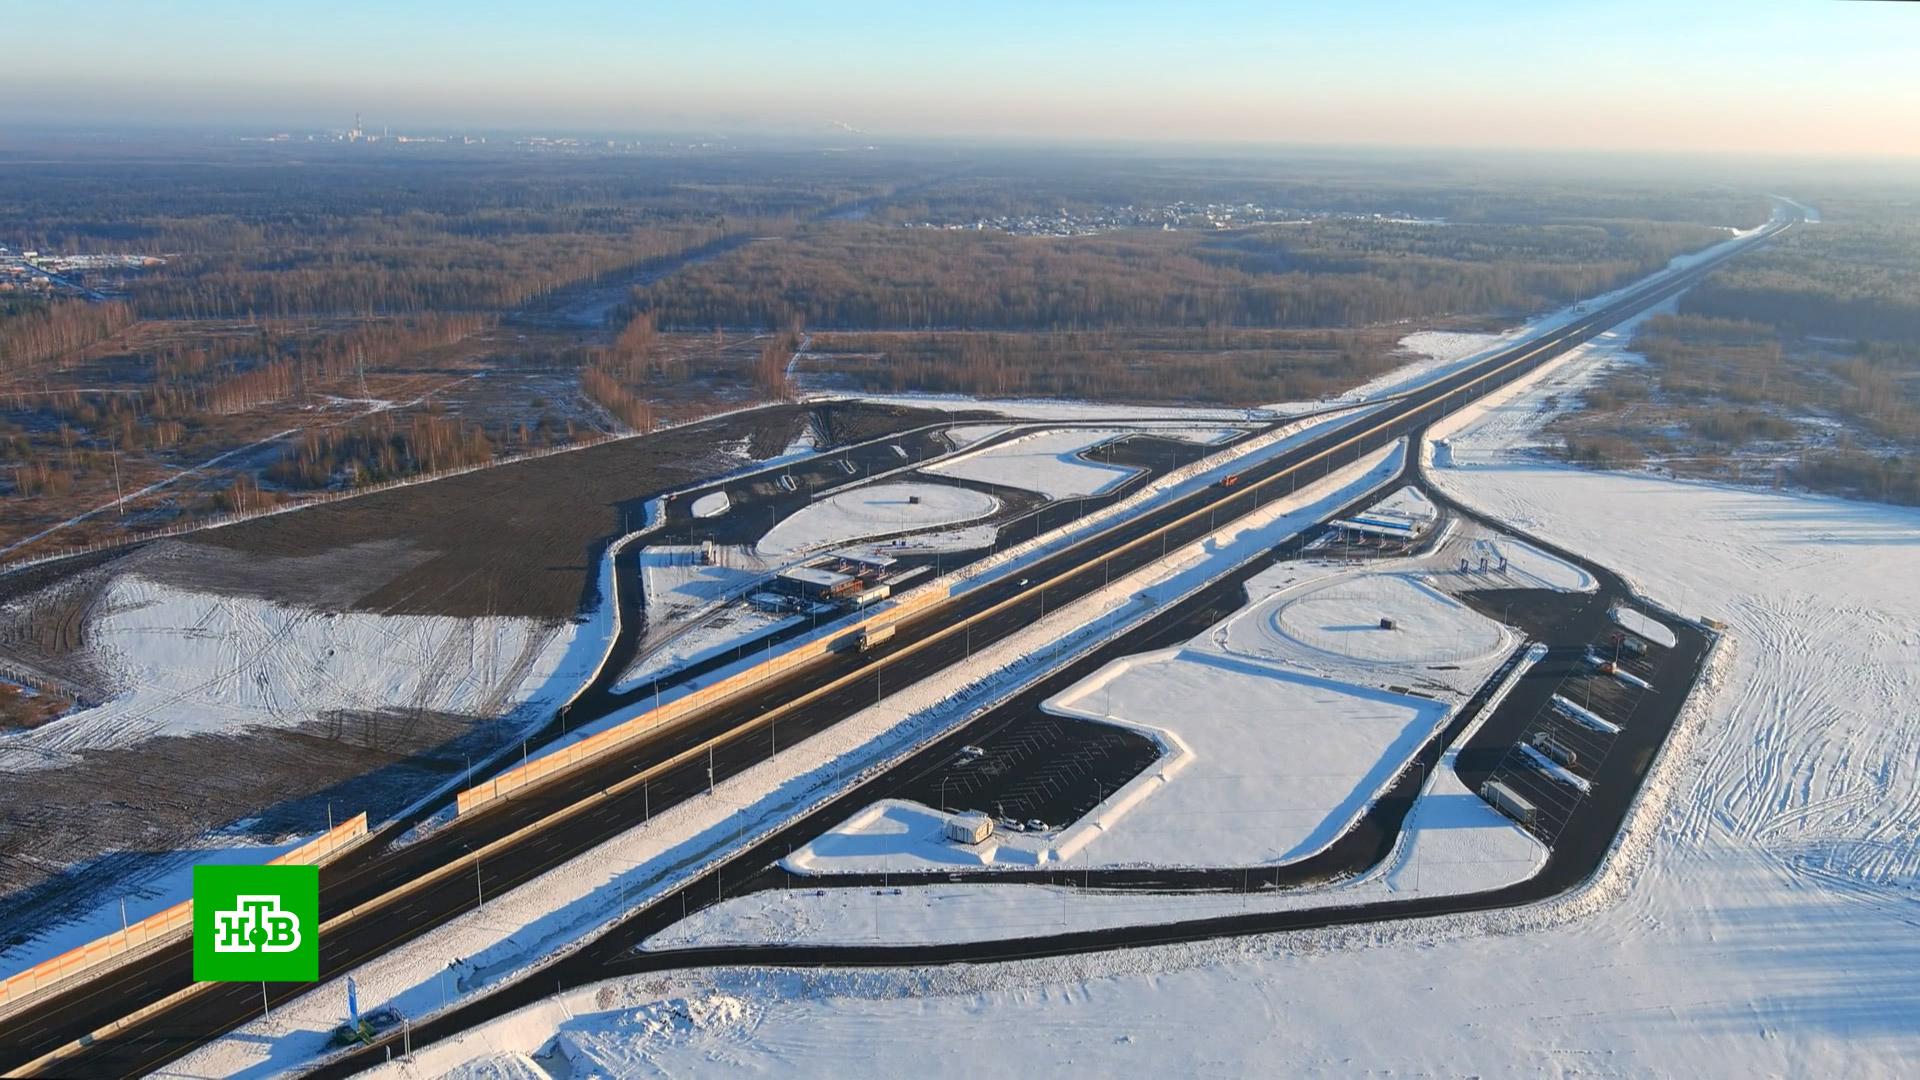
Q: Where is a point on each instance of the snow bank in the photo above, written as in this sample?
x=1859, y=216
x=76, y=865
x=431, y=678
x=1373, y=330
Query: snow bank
x=1644, y=626
x=1409, y=505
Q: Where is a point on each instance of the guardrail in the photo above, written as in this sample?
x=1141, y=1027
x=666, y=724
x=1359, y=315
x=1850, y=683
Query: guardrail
x=559, y=762
x=160, y=928
x=500, y=786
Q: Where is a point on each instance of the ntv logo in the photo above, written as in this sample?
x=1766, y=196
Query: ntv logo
x=256, y=923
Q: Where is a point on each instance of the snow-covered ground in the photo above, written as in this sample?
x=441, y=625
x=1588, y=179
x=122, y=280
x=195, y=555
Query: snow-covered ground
x=712, y=504
x=1435, y=353
x=677, y=584
x=1306, y=717
x=1452, y=843
x=1765, y=927
x=874, y=510
x=545, y=918
x=722, y=630
x=188, y=663
x=965, y=435
x=1282, y=761
x=1270, y=771
x=1336, y=617
x=1408, y=505
x=1048, y=462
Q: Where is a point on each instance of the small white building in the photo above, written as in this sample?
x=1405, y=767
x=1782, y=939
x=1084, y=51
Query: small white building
x=971, y=828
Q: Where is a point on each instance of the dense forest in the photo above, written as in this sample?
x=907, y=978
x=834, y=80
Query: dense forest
x=1849, y=279
x=336, y=233
x=35, y=333
x=1215, y=367
x=329, y=316
x=1457, y=188
x=861, y=276
x=1801, y=360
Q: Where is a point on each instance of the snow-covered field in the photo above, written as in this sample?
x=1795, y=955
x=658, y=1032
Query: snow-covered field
x=1331, y=617
x=1048, y=462
x=1767, y=927
x=187, y=663
x=874, y=510
x=1281, y=761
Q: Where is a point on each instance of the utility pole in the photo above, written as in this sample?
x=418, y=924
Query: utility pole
x=119, y=500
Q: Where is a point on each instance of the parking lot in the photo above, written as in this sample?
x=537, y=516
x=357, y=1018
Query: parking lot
x=1563, y=732
x=1045, y=768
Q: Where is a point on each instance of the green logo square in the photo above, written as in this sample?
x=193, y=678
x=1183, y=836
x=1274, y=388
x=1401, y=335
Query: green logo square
x=256, y=923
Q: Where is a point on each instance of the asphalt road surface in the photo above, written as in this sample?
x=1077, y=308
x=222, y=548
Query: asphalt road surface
x=1568, y=623
x=752, y=724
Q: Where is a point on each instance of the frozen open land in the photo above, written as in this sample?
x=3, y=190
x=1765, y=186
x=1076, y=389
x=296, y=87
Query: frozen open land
x=187, y=663
x=1766, y=927
x=1048, y=462
x=874, y=510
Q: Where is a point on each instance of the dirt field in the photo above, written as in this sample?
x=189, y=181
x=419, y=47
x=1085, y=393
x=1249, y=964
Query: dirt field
x=518, y=539
x=120, y=811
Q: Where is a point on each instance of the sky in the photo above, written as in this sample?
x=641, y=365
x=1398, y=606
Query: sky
x=1742, y=76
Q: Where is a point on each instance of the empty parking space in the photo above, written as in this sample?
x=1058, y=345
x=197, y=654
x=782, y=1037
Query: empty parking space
x=1047, y=768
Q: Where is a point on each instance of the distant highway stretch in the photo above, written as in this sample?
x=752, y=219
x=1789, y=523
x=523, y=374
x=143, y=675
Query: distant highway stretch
x=87, y=1030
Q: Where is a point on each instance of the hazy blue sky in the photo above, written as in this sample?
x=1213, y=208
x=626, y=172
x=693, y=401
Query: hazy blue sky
x=1678, y=74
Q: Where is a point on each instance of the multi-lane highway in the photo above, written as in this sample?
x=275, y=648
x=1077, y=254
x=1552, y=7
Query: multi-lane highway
x=522, y=837
x=1575, y=852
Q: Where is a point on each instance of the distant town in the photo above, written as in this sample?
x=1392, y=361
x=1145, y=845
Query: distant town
x=95, y=277
x=1172, y=216
x=360, y=134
